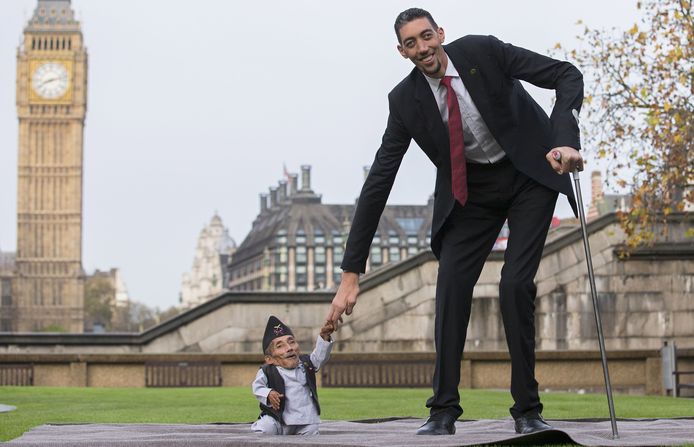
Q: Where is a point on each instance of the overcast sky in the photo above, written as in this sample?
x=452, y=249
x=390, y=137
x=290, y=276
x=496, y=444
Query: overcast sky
x=194, y=107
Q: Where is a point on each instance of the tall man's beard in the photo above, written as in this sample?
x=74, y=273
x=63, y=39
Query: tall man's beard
x=433, y=71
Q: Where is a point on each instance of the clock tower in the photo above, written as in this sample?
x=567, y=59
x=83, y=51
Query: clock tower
x=48, y=288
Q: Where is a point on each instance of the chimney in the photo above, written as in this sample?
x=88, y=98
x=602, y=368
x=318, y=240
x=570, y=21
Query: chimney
x=263, y=202
x=305, y=178
x=282, y=192
x=293, y=184
x=273, y=197
x=596, y=195
x=366, y=168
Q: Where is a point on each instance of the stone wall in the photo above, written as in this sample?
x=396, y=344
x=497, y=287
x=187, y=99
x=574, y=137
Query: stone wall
x=631, y=371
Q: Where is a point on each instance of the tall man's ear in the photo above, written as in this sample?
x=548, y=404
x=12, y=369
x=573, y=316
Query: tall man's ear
x=401, y=50
x=442, y=34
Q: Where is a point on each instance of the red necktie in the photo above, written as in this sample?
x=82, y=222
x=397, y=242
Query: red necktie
x=457, y=145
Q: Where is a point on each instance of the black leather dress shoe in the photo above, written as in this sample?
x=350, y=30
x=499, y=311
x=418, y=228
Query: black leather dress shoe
x=531, y=424
x=441, y=424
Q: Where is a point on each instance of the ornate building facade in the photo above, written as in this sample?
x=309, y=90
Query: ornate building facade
x=296, y=242
x=48, y=287
x=207, y=277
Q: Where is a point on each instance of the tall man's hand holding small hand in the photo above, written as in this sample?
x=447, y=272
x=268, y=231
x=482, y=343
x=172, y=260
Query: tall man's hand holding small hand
x=327, y=329
x=345, y=298
x=565, y=159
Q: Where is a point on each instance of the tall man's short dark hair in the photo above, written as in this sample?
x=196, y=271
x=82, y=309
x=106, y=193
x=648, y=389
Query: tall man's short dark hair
x=409, y=15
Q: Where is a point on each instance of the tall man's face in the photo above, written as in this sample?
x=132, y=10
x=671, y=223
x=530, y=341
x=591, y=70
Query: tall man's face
x=421, y=43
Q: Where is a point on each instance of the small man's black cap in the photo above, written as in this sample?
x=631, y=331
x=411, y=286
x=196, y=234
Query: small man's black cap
x=274, y=328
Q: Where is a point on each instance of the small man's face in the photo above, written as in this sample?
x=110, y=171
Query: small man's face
x=421, y=43
x=284, y=352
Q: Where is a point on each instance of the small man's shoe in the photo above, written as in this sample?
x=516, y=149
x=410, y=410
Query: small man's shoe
x=531, y=424
x=441, y=424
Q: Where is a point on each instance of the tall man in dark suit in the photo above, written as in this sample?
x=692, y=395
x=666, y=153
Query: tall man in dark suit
x=498, y=157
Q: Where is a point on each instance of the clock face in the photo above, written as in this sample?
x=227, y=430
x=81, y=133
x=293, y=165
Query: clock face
x=50, y=80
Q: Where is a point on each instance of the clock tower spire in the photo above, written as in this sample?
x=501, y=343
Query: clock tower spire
x=51, y=107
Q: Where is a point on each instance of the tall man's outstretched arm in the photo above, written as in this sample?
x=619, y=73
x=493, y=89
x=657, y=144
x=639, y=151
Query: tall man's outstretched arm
x=372, y=201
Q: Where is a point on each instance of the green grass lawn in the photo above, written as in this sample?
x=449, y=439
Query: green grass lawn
x=39, y=405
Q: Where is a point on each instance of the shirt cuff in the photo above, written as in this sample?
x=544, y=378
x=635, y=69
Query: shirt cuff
x=261, y=394
x=322, y=350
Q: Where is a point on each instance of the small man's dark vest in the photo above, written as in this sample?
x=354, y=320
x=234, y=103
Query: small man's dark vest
x=275, y=382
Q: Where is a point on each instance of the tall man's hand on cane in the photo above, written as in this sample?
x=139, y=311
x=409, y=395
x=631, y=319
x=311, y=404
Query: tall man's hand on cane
x=345, y=298
x=565, y=159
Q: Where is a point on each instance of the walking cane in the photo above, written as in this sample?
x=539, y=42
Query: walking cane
x=593, y=290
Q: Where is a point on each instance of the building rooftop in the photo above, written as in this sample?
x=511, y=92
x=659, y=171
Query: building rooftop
x=293, y=213
x=52, y=15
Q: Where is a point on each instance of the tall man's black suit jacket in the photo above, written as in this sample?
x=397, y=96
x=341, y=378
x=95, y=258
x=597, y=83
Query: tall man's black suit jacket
x=490, y=70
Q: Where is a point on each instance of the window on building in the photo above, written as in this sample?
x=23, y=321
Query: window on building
x=337, y=239
x=300, y=237
x=6, y=288
x=301, y=254
x=394, y=254
x=301, y=277
x=412, y=245
x=319, y=275
x=376, y=255
x=393, y=238
x=411, y=225
x=319, y=255
x=318, y=237
x=338, y=252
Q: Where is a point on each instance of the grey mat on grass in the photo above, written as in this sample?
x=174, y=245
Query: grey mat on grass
x=391, y=432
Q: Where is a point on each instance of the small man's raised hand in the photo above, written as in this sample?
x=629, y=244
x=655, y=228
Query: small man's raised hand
x=274, y=399
x=327, y=329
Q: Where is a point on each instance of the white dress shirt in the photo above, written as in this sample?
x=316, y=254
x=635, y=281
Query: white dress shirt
x=480, y=145
x=298, y=404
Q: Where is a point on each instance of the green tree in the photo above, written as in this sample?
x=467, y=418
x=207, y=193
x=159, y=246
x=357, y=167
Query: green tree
x=99, y=296
x=640, y=111
x=167, y=314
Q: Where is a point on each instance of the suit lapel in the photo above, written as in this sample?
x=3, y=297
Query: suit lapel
x=429, y=110
x=431, y=116
x=472, y=78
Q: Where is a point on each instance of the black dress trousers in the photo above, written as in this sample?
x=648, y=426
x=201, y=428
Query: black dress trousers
x=497, y=192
